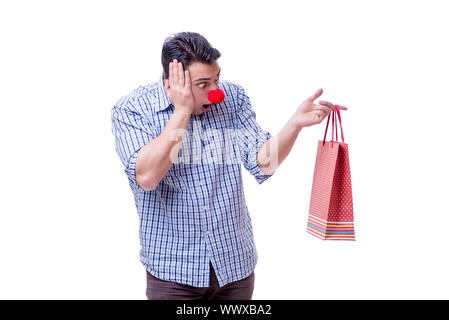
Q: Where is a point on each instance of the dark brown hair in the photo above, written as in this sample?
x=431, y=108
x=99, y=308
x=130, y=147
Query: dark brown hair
x=187, y=47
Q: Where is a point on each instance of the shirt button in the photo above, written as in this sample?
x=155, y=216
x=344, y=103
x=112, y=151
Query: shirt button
x=207, y=232
x=205, y=207
x=200, y=182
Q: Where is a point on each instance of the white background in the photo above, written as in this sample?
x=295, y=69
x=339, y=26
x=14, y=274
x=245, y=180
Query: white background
x=68, y=224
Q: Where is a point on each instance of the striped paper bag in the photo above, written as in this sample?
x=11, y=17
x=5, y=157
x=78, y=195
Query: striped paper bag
x=331, y=211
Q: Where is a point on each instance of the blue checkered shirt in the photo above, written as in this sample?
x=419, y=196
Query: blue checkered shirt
x=197, y=215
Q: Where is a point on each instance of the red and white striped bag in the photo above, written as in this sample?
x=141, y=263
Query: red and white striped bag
x=331, y=210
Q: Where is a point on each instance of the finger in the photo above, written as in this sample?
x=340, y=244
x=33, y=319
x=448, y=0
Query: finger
x=318, y=93
x=326, y=103
x=180, y=75
x=321, y=114
x=325, y=113
x=341, y=107
x=325, y=109
x=174, y=81
x=170, y=73
x=329, y=106
x=166, y=85
x=187, y=79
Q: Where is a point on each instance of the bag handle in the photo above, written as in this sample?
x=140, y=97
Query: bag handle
x=334, y=114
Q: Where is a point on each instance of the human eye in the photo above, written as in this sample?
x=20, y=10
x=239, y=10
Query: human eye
x=202, y=84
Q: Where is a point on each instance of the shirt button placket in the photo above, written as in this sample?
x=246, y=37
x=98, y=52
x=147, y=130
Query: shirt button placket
x=207, y=231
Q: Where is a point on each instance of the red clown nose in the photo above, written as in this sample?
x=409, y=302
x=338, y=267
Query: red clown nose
x=216, y=96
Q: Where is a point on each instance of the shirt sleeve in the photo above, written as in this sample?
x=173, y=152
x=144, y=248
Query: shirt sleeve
x=250, y=135
x=132, y=131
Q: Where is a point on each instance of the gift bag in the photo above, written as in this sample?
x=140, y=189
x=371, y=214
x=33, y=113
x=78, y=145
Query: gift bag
x=331, y=211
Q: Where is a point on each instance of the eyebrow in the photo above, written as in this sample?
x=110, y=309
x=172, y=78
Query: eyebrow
x=201, y=79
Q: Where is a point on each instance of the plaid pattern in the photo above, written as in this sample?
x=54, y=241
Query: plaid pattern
x=197, y=215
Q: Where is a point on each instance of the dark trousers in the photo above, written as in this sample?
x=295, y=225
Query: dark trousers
x=158, y=289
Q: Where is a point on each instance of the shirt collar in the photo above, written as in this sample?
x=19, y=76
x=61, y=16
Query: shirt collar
x=163, y=101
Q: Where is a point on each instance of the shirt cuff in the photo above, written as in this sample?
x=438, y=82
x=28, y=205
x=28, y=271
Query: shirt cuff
x=255, y=170
x=130, y=170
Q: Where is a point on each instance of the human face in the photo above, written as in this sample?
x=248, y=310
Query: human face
x=204, y=78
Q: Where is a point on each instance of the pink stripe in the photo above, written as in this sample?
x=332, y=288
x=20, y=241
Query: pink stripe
x=317, y=225
x=339, y=229
x=315, y=231
x=340, y=235
x=316, y=222
x=331, y=228
x=330, y=237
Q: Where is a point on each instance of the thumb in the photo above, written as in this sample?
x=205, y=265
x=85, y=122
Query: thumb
x=317, y=93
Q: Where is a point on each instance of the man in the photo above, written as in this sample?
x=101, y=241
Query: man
x=182, y=155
